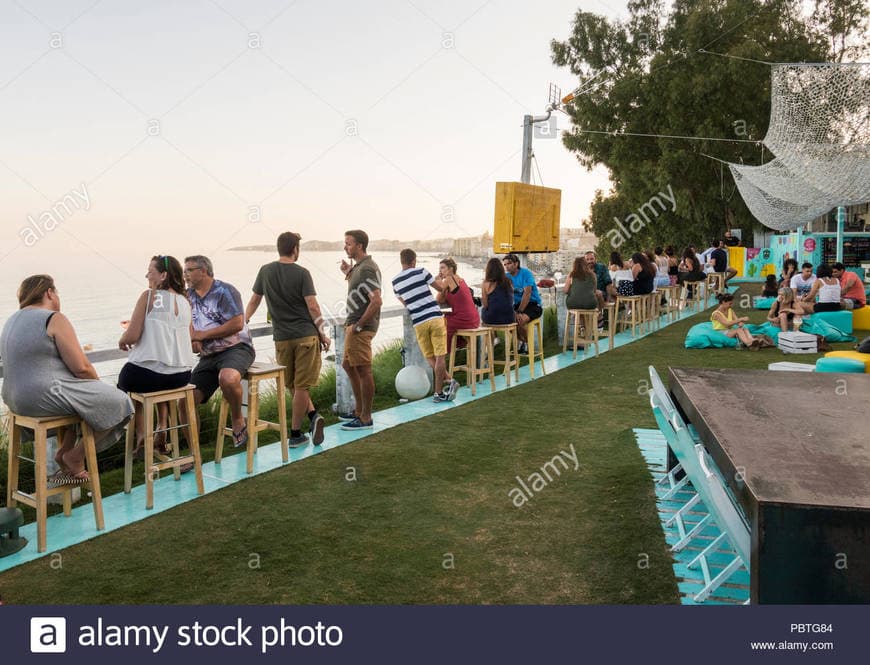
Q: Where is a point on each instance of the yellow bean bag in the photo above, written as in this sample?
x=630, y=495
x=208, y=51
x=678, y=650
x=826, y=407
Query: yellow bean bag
x=854, y=355
x=861, y=318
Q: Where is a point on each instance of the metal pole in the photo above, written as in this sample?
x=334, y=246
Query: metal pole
x=526, y=175
x=841, y=223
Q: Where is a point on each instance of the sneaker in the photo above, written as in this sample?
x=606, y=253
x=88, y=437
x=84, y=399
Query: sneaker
x=496, y=342
x=451, y=389
x=316, y=430
x=439, y=397
x=356, y=424
x=297, y=441
x=350, y=415
x=523, y=348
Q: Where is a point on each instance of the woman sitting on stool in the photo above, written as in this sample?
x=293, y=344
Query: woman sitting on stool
x=158, y=339
x=46, y=373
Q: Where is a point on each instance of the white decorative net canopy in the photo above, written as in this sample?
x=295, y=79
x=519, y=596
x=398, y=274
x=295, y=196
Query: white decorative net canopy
x=819, y=133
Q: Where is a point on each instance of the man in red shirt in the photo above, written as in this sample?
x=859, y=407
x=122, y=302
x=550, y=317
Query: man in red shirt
x=851, y=287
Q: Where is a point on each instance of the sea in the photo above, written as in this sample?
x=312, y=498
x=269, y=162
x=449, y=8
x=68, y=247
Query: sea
x=99, y=289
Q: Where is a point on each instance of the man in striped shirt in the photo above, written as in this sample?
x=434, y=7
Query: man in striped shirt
x=411, y=287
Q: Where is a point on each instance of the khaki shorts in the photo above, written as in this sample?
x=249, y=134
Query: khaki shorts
x=358, y=347
x=432, y=337
x=301, y=357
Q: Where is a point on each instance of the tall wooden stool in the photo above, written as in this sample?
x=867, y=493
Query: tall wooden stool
x=511, y=351
x=175, y=460
x=610, y=334
x=672, y=296
x=693, y=303
x=256, y=373
x=653, y=310
x=38, y=500
x=588, y=320
x=472, y=371
x=715, y=284
x=637, y=306
x=535, y=352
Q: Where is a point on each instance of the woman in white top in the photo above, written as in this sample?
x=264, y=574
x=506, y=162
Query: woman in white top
x=158, y=339
x=827, y=288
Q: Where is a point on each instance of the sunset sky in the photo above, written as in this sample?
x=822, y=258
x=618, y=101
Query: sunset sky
x=192, y=120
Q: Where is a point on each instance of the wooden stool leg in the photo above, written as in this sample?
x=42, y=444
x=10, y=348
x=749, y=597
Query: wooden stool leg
x=221, y=435
x=193, y=440
x=13, y=462
x=129, y=443
x=148, y=416
x=253, y=420
x=530, y=342
x=577, y=320
x=565, y=332
x=471, y=361
x=94, y=472
x=173, y=437
x=452, y=354
x=490, y=352
x=41, y=480
x=515, y=340
x=282, y=418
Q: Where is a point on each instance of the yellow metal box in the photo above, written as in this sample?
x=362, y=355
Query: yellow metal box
x=526, y=218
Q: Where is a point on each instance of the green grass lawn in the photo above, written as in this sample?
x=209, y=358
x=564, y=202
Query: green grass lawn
x=421, y=513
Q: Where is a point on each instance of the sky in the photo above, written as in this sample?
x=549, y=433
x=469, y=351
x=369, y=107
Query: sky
x=206, y=124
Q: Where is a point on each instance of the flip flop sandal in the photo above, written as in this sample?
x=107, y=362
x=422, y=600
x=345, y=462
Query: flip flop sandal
x=78, y=478
x=240, y=438
x=59, y=477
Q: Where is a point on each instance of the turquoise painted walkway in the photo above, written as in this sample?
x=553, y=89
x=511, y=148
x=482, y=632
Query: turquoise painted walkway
x=654, y=447
x=123, y=509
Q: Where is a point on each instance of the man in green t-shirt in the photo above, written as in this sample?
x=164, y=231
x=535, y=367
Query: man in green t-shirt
x=363, y=315
x=297, y=328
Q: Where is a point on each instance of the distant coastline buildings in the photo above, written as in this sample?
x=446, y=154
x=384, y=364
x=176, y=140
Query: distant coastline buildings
x=472, y=249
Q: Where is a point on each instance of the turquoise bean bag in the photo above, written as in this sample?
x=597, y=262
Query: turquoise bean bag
x=763, y=303
x=843, y=365
x=841, y=320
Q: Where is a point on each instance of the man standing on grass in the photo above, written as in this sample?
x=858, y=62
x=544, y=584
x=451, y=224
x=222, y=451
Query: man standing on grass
x=411, y=287
x=527, y=300
x=363, y=315
x=297, y=329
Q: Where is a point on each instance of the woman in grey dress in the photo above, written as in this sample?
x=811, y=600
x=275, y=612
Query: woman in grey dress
x=46, y=373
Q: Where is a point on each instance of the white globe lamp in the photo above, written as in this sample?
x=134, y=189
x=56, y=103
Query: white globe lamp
x=412, y=382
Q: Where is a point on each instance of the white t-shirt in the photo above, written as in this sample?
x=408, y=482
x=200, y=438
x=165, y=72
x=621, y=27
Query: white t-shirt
x=801, y=286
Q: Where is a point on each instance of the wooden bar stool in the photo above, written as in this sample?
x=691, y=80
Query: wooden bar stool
x=715, y=283
x=511, y=351
x=610, y=308
x=672, y=295
x=535, y=352
x=256, y=373
x=472, y=371
x=637, y=306
x=693, y=303
x=40, y=427
x=653, y=307
x=588, y=320
x=175, y=460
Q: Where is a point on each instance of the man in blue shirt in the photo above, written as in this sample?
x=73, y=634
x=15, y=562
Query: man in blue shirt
x=527, y=300
x=220, y=336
